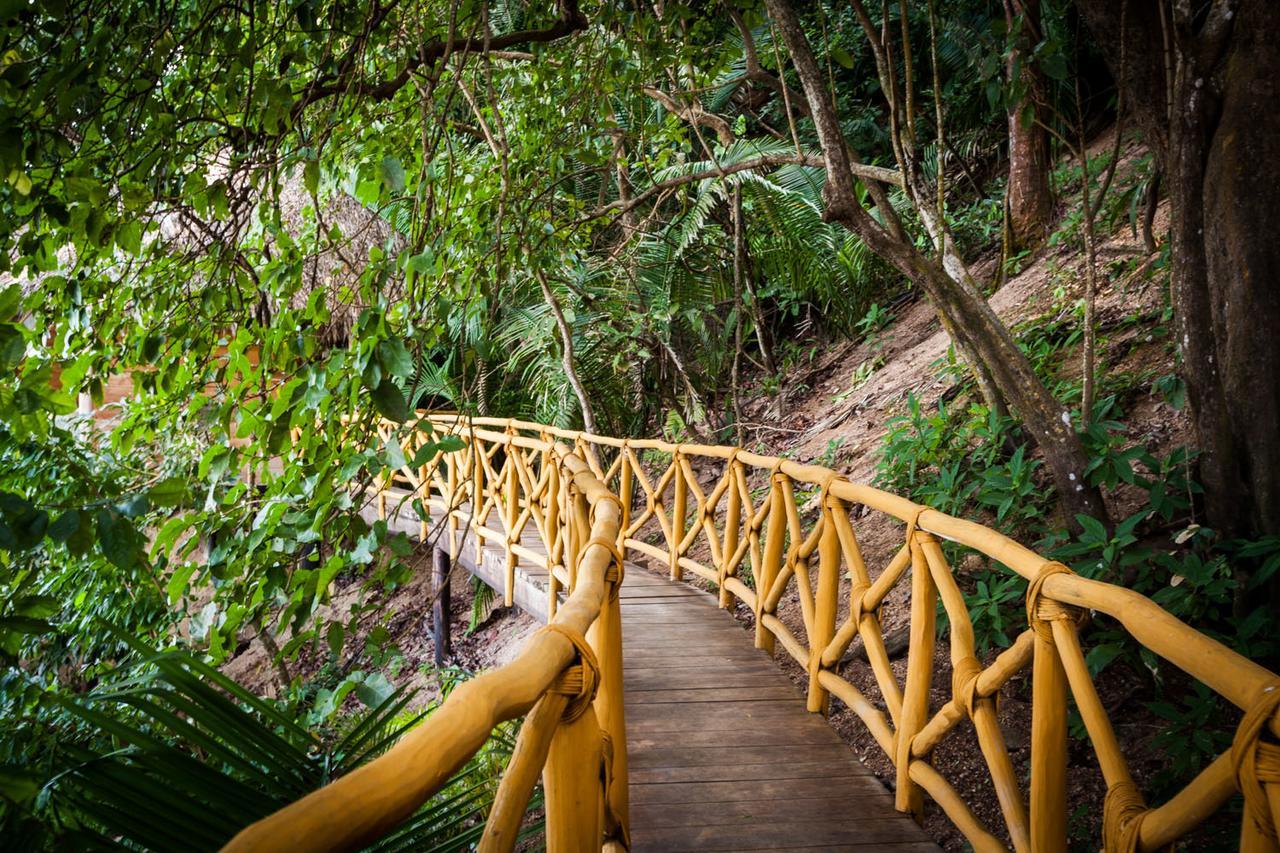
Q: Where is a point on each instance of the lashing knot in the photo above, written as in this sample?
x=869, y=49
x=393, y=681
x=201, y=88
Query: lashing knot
x=1042, y=610
x=964, y=683
x=1257, y=762
x=579, y=681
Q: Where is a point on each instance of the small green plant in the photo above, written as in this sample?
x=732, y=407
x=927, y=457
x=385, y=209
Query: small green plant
x=831, y=456
x=874, y=320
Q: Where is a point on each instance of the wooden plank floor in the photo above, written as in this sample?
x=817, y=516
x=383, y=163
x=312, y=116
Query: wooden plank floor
x=722, y=753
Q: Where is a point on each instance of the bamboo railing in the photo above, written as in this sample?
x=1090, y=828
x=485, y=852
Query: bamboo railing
x=758, y=549
x=566, y=682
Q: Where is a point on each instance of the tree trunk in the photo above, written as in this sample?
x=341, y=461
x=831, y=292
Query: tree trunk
x=1030, y=197
x=1221, y=165
x=566, y=355
x=974, y=323
x=441, y=571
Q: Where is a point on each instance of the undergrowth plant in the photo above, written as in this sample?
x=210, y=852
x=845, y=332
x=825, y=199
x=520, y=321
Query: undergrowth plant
x=963, y=459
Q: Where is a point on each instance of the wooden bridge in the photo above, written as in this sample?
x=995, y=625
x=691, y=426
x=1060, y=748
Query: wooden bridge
x=657, y=722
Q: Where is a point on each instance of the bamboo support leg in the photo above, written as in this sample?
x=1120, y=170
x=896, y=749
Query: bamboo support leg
x=915, y=697
x=511, y=803
x=770, y=562
x=511, y=508
x=824, y=616
x=571, y=781
x=1048, y=749
x=679, y=504
x=605, y=637
x=732, y=523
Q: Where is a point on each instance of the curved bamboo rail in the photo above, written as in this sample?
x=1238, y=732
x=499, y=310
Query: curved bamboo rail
x=583, y=502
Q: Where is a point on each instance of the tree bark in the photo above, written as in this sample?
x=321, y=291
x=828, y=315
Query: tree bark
x=566, y=355
x=441, y=570
x=1030, y=197
x=975, y=324
x=1221, y=164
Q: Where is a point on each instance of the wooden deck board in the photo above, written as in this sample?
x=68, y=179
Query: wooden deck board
x=722, y=753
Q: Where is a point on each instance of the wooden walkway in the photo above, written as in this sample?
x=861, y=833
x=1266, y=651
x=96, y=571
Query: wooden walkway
x=722, y=753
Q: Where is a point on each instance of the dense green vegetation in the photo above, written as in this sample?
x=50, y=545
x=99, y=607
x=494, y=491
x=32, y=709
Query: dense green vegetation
x=279, y=222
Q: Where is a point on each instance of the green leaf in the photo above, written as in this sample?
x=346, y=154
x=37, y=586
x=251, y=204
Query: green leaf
x=334, y=637
x=24, y=625
x=395, y=358
x=389, y=400
x=375, y=689
x=841, y=56
x=10, y=302
x=392, y=173
x=168, y=492
x=65, y=526
x=129, y=237
x=177, y=584
x=311, y=176
x=395, y=453
x=121, y=543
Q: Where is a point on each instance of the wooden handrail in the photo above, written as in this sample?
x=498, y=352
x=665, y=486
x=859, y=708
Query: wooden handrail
x=582, y=500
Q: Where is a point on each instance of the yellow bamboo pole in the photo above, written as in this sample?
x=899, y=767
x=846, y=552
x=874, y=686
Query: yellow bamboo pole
x=824, y=609
x=678, y=508
x=915, y=696
x=732, y=524
x=451, y=501
x=626, y=495
x=770, y=562
x=511, y=803
x=605, y=637
x=555, y=549
x=511, y=510
x=477, y=496
x=571, y=783
x=1048, y=748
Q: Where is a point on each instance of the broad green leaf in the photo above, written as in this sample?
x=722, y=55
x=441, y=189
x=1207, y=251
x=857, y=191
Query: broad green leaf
x=388, y=399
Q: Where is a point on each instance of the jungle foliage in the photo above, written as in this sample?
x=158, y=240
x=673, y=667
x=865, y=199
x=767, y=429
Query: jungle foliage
x=279, y=222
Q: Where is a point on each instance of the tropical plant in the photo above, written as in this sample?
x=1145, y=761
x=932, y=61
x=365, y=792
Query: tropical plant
x=173, y=755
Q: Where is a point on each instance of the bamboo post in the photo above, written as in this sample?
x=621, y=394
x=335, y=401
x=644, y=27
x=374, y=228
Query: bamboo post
x=556, y=549
x=511, y=508
x=824, y=614
x=678, y=510
x=626, y=494
x=477, y=497
x=605, y=637
x=424, y=495
x=915, y=696
x=451, y=484
x=502, y=829
x=1048, y=747
x=441, y=569
x=771, y=561
x=571, y=782
x=732, y=523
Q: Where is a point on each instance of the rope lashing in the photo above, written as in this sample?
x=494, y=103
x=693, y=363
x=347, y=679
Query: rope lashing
x=856, y=593
x=1123, y=811
x=825, y=490
x=607, y=497
x=964, y=683
x=1256, y=762
x=580, y=680
x=913, y=523
x=1042, y=610
x=616, y=571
